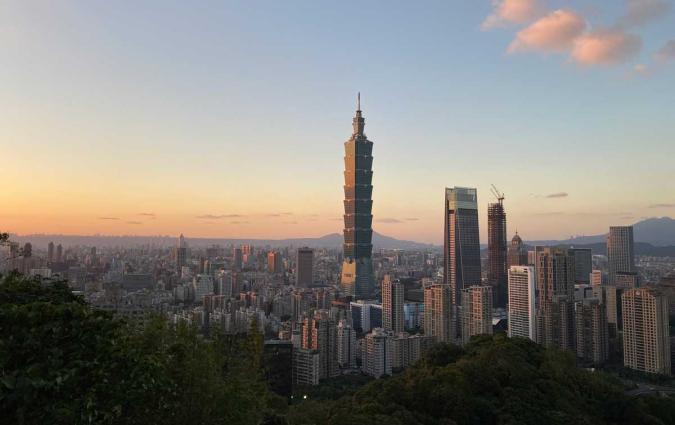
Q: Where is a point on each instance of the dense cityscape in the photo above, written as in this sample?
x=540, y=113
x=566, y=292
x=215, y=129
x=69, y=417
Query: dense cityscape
x=191, y=232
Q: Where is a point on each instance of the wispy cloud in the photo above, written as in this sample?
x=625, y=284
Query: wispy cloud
x=554, y=33
x=606, y=47
x=239, y=222
x=134, y=222
x=641, y=12
x=411, y=219
x=218, y=216
x=149, y=215
x=388, y=220
x=662, y=205
x=510, y=12
x=289, y=222
x=557, y=195
x=108, y=218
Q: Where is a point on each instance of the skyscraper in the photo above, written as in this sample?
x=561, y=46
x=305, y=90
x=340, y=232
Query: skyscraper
x=274, y=264
x=304, y=275
x=555, y=297
x=59, y=253
x=591, y=331
x=180, y=253
x=583, y=264
x=462, y=246
x=50, y=252
x=497, y=272
x=476, y=311
x=320, y=334
x=438, y=313
x=377, y=353
x=521, y=312
x=392, y=304
x=346, y=345
x=646, y=341
x=357, y=268
x=620, y=253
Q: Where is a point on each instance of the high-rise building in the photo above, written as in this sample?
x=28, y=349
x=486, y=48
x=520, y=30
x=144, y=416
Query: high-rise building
x=237, y=259
x=304, y=274
x=620, y=251
x=497, y=261
x=274, y=263
x=407, y=349
x=583, y=264
x=392, y=304
x=438, y=313
x=377, y=353
x=517, y=254
x=413, y=315
x=365, y=315
x=50, y=252
x=598, y=278
x=646, y=341
x=462, y=246
x=555, y=297
x=59, y=253
x=357, y=269
x=592, y=342
x=305, y=367
x=613, y=308
x=180, y=253
x=476, y=311
x=521, y=310
x=319, y=333
x=626, y=279
x=346, y=345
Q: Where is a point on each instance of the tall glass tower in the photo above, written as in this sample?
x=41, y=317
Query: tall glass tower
x=357, y=268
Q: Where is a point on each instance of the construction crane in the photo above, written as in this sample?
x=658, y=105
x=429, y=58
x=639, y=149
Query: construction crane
x=497, y=194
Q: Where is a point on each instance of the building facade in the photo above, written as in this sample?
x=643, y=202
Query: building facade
x=522, y=302
x=476, y=311
x=497, y=252
x=620, y=251
x=304, y=275
x=439, y=321
x=392, y=304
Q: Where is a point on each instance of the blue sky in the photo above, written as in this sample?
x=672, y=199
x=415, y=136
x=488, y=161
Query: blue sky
x=228, y=109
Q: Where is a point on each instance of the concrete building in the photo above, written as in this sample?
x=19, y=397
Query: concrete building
x=646, y=340
x=274, y=262
x=305, y=367
x=413, y=315
x=462, y=245
x=378, y=352
x=438, y=313
x=598, y=278
x=583, y=264
x=476, y=311
x=392, y=304
x=555, y=276
x=319, y=333
x=592, y=344
x=497, y=251
x=346, y=345
x=522, y=302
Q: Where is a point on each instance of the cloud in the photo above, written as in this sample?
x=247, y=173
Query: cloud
x=554, y=33
x=606, y=47
x=238, y=222
x=667, y=52
x=218, y=216
x=149, y=215
x=558, y=195
x=134, y=222
x=640, y=12
x=662, y=206
x=108, y=218
x=507, y=12
x=289, y=222
x=411, y=219
x=388, y=220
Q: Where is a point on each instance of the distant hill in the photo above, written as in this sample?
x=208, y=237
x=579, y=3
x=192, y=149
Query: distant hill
x=659, y=232
x=333, y=240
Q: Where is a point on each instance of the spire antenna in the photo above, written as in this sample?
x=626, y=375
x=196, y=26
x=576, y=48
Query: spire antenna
x=358, y=101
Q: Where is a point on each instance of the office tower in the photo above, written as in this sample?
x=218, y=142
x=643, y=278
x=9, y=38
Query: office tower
x=357, y=268
x=305, y=367
x=319, y=333
x=377, y=354
x=626, y=280
x=598, y=278
x=517, y=254
x=413, y=315
x=476, y=311
x=592, y=342
x=274, y=263
x=462, y=247
x=346, y=345
x=50, y=252
x=59, y=253
x=497, y=271
x=304, y=268
x=237, y=259
x=646, y=341
x=521, y=310
x=392, y=304
x=180, y=253
x=620, y=254
x=555, y=301
x=438, y=313
x=583, y=264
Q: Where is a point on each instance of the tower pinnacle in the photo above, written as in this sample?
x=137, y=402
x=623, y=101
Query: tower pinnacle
x=358, y=122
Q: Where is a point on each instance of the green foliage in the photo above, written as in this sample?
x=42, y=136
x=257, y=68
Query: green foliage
x=493, y=380
x=64, y=363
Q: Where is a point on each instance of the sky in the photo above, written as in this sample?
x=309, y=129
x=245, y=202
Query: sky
x=227, y=119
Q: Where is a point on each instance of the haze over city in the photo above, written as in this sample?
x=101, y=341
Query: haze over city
x=160, y=118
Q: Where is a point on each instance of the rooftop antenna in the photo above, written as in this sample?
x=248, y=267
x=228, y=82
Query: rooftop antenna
x=358, y=101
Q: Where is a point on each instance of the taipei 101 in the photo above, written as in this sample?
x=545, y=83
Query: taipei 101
x=341, y=213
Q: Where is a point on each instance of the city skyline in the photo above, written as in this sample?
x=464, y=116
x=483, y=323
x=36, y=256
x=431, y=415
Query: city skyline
x=178, y=146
